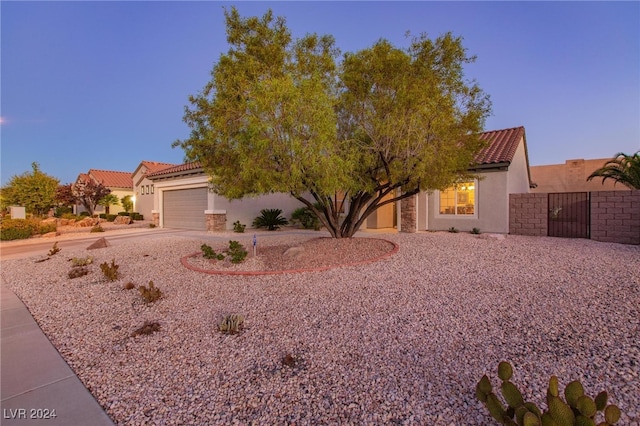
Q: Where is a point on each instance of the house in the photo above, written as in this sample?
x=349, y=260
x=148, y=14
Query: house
x=502, y=168
x=572, y=177
x=143, y=189
x=120, y=184
x=183, y=199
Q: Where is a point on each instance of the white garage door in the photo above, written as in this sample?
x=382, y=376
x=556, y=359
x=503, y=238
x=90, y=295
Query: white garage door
x=184, y=208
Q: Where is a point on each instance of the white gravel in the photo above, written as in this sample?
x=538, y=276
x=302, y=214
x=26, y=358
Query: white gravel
x=400, y=341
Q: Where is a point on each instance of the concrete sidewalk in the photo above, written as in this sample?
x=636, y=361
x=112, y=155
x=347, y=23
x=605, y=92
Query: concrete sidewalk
x=36, y=383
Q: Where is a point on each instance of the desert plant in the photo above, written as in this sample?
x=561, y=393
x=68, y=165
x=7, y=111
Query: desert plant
x=149, y=327
x=475, y=231
x=110, y=271
x=152, y=225
x=306, y=218
x=623, y=168
x=129, y=286
x=150, y=294
x=55, y=249
x=238, y=227
x=78, y=272
x=453, y=230
x=236, y=252
x=97, y=228
x=231, y=324
x=82, y=261
x=209, y=253
x=579, y=409
x=270, y=219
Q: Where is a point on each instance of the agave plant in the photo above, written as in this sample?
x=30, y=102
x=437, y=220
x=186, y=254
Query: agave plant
x=270, y=219
x=622, y=168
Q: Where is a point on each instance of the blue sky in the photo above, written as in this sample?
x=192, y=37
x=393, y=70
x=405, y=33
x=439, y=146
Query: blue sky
x=103, y=85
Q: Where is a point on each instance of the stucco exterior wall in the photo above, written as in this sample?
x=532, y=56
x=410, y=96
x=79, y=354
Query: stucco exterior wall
x=114, y=209
x=247, y=209
x=492, y=209
x=572, y=177
x=518, y=173
x=144, y=203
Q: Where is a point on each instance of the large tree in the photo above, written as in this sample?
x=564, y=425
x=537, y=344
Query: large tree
x=622, y=168
x=35, y=190
x=280, y=115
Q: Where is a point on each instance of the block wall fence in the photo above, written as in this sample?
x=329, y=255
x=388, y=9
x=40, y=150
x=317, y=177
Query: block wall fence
x=615, y=215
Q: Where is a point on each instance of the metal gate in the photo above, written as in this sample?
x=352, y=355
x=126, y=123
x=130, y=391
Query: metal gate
x=569, y=215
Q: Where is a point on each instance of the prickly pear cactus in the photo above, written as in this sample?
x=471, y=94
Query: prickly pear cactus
x=578, y=410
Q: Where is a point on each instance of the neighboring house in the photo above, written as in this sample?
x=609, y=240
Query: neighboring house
x=182, y=199
x=502, y=167
x=572, y=177
x=143, y=189
x=119, y=183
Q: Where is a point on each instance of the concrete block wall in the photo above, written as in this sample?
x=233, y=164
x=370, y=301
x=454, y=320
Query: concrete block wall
x=528, y=214
x=615, y=216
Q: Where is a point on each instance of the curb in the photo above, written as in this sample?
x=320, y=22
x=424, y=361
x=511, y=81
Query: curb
x=184, y=261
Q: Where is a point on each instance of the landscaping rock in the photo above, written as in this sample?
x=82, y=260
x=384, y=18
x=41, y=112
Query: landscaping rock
x=86, y=222
x=293, y=252
x=100, y=243
x=122, y=220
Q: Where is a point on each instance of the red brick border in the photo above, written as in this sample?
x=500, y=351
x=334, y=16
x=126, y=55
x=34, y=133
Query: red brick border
x=186, y=264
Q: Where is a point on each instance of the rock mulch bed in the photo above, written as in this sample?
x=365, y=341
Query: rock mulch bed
x=400, y=341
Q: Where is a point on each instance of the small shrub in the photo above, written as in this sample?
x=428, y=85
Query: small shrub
x=55, y=249
x=231, y=324
x=149, y=327
x=475, y=231
x=82, y=261
x=97, y=228
x=17, y=229
x=137, y=216
x=270, y=219
x=71, y=216
x=453, y=230
x=236, y=252
x=150, y=294
x=111, y=217
x=152, y=225
x=289, y=360
x=579, y=409
x=129, y=286
x=78, y=272
x=238, y=227
x=84, y=214
x=209, y=253
x=110, y=271
x=306, y=218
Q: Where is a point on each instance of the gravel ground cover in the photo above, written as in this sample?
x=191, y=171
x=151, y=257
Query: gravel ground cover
x=400, y=341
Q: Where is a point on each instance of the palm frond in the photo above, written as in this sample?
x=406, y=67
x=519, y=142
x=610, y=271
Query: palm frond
x=623, y=168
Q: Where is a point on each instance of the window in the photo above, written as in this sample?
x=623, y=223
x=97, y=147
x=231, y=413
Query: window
x=152, y=188
x=147, y=189
x=459, y=200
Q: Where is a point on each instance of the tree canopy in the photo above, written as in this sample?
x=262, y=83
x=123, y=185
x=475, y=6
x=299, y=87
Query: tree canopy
x=88, y=192
x=622, y=168
x=283, y=115
x=35, y=190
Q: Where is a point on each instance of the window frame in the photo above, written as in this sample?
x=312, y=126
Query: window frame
x=456, y=215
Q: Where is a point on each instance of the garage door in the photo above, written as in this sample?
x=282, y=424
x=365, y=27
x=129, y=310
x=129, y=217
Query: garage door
x=184, y=208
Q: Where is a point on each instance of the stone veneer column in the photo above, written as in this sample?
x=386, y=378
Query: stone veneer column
x=216, y=220
x=155, y=216
x=408, y=214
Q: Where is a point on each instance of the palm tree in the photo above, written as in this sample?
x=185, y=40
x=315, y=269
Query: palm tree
x=622, y=168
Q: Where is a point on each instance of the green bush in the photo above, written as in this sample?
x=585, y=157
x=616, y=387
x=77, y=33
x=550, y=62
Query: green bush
x=236, y=251
x=306, y=218
x=84, y=214
x=124, y=214
x=238, y=227
x=270, y=219
x=137, y=216
x=20, y=229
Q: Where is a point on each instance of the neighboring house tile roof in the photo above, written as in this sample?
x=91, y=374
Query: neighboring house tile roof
x=179, y=169
x=112, y=179
x=154, y=166
x=501, y=146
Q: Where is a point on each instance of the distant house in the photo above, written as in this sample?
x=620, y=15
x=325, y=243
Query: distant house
x=119, y=183
x=183, y=200
x=502, y=167
x=572, y=177
x=143, y=189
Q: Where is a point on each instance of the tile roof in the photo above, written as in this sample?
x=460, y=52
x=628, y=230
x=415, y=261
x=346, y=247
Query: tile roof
x=112, y=179
x=176, y=169
x=154, y=166
x=501, y=147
